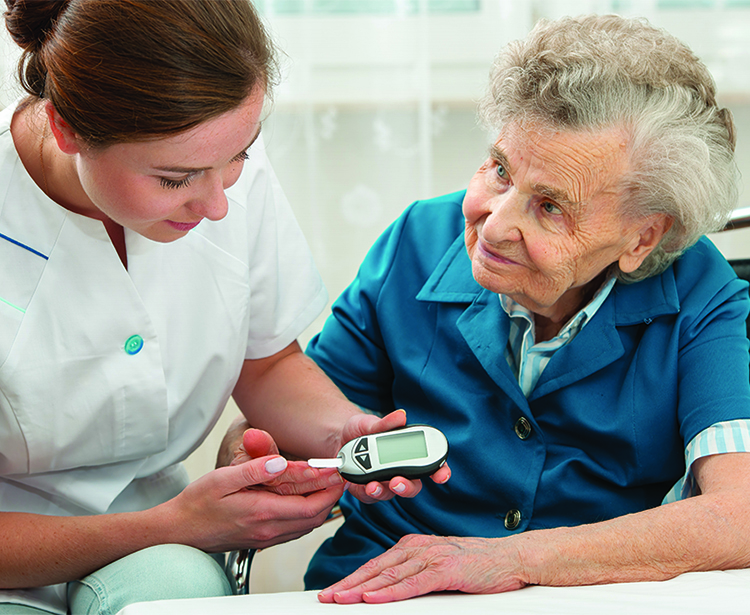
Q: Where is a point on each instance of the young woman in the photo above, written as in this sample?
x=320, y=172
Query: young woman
x=151, y=268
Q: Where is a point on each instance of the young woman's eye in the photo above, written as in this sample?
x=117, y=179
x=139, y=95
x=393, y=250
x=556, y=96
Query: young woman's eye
x=173, y=184
x=551, y=208
x=241, y=157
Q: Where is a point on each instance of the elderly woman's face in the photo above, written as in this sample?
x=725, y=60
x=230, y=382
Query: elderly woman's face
x=543, y=217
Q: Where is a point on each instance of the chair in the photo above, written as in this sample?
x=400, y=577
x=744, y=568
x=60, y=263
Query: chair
x=740, y=219
x=742, y=269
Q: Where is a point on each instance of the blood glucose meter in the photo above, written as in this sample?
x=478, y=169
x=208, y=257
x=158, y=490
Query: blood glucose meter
x=414, y=451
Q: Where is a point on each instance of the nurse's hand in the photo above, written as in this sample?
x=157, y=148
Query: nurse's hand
x=233, y=507
x=363, y=424
x=244, y=443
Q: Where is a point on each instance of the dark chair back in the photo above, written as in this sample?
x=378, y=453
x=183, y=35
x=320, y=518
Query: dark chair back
x=742, y=269
x=741, y=219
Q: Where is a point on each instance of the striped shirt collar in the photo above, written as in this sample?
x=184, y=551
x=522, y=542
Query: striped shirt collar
x=528, y=359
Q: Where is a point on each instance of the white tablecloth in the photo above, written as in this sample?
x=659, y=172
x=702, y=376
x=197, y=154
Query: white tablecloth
x=704, y=593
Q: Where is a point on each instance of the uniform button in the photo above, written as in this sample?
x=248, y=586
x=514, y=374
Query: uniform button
x=522, y=428
x=134, y=344
x=512, y=519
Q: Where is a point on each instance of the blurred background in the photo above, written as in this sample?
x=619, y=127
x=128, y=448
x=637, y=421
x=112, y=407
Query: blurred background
x=377, y=109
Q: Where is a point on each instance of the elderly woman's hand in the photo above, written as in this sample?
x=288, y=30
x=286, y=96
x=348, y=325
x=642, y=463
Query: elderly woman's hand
x=419, y=564
x=364, y=424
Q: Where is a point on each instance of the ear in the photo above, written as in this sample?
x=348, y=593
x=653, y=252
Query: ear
x=67, y=140
x=647, y=238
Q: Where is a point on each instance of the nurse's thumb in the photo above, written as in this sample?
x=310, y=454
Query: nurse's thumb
x=259, y=470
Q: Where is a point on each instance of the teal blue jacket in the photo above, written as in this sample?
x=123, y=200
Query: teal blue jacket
x=610, y=417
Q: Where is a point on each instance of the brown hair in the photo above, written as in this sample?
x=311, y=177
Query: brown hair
x=129, y=70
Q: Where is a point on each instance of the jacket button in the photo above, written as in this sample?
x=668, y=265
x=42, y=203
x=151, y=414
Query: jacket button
x=512, y=519
x=522, y=428
x=134, y=344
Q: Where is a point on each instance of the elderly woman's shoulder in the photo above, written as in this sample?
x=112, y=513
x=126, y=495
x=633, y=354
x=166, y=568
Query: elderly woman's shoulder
x=446, y=206
x=704, y=267
x=430, y=224
x=442, y=213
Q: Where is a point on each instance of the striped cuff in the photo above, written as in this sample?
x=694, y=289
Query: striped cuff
x=725, y=437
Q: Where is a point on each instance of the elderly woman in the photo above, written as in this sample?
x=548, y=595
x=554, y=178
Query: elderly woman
x=566, y=325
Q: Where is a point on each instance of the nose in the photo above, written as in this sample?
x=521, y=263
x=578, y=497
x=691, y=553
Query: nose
x=212, y=202
x=504, y=218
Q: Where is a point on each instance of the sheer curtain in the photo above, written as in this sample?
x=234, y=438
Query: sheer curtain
x=376, y=109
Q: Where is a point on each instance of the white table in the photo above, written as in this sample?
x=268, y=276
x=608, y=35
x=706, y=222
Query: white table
x=695, y=593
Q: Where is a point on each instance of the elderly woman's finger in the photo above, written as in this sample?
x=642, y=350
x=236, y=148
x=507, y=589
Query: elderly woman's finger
x=404, y=488
x=406, y=580
x=393, y=420
x=259, y=443
x=300, y=479
x=442, y=475
x=346, y=588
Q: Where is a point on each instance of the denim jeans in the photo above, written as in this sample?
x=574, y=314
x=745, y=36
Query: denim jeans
x=158, y=573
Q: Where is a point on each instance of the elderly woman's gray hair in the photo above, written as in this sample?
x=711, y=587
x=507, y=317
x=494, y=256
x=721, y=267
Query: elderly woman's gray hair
x=597, y=72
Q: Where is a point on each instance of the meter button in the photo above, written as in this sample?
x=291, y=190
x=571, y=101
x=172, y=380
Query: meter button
x=522, y=428
x=361, y=446
x=364, y=461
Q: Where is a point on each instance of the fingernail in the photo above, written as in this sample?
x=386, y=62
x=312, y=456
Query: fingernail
x=400, y=488
x=377, y=491
x=335, y=479
x=275, y=465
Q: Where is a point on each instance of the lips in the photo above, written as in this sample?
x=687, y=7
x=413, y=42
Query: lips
x=183, y=226
x=494, y=256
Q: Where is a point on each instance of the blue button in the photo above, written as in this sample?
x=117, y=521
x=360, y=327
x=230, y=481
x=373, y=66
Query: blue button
x=134, y=344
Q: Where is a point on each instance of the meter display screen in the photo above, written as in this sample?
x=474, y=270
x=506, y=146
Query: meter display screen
x=401, y=447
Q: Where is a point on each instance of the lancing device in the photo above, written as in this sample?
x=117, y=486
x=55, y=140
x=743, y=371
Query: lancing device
x=414, y=451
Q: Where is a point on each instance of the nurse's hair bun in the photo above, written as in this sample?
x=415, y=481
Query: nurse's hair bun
x=30, y=23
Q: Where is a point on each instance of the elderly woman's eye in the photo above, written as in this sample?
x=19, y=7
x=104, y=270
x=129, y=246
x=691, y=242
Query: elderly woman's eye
x=501, y=172
x=551, y=208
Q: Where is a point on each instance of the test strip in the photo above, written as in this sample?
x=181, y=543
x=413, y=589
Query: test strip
x=333, y=462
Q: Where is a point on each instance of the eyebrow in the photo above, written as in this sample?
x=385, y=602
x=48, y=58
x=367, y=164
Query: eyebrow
x=198, y=169
x=555, y=194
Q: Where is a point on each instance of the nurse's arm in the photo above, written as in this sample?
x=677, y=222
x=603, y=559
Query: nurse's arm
x=290, y=397
x=215, y=513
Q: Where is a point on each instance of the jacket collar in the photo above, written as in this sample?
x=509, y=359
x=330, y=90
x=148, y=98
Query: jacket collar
x=452, y=280
x=484, y=325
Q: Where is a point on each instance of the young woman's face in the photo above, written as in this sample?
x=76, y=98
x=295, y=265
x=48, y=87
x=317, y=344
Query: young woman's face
x=163, y=188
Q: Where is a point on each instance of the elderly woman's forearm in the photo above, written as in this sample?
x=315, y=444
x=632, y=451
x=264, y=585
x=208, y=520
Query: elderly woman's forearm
x=709, y=532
